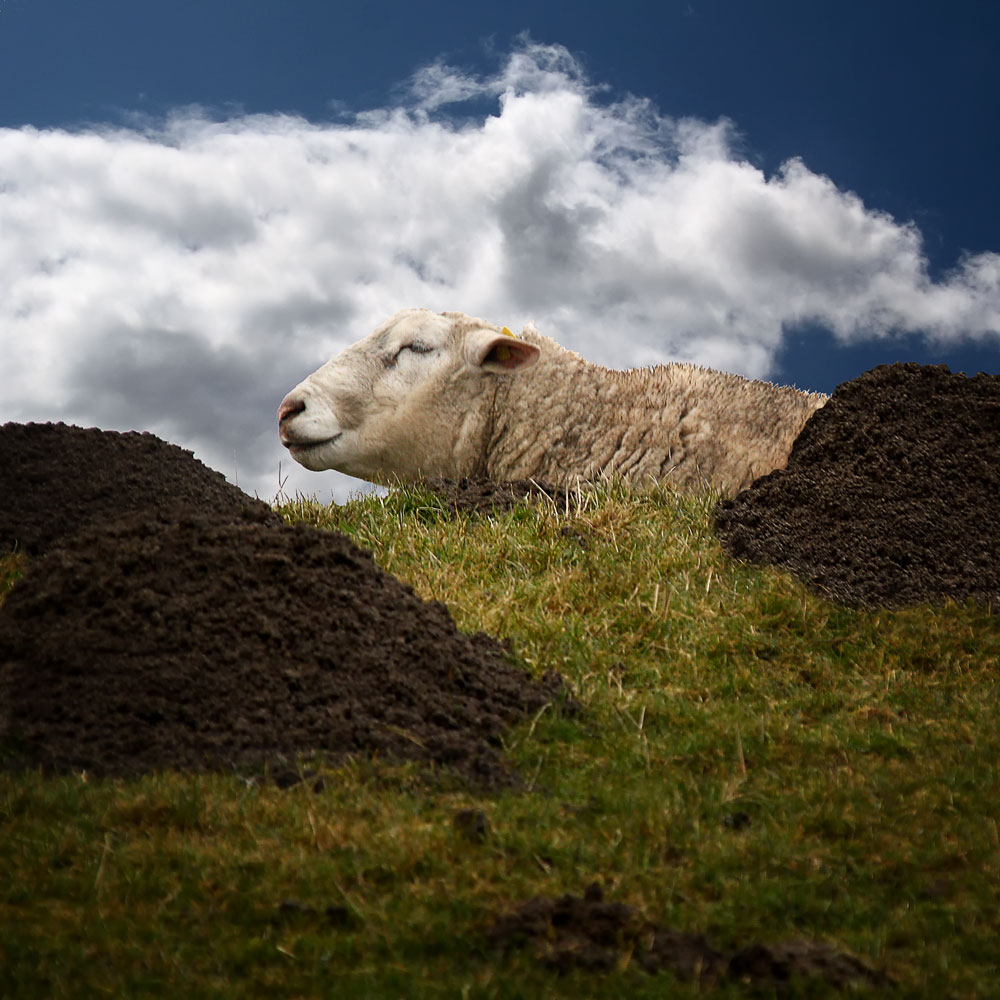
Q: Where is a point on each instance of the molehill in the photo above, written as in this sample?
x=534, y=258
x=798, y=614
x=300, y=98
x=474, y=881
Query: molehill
x=174, y=622
x=890, y=496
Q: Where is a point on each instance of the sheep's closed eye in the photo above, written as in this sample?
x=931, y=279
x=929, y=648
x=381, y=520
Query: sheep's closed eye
x=415, y=348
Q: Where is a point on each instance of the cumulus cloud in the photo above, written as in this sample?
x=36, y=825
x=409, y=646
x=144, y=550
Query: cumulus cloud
x=181, y=276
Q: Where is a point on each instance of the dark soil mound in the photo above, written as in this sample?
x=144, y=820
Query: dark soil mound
x=55, y=480
x=197, y=643
x=480, y=496
x=890, y=496
x=589, y=933
x=201, y=632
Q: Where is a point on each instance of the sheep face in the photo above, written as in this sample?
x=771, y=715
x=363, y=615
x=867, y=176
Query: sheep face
x=411, y=400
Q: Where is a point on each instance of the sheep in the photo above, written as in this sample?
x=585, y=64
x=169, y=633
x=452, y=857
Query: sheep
x=445, y=395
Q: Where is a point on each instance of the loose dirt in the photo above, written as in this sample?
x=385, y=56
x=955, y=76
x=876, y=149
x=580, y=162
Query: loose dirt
x=200, y=632
x=890, y=496
x=477, y=496
x=590, y=933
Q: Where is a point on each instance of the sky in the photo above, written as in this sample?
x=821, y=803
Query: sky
x=201, y=202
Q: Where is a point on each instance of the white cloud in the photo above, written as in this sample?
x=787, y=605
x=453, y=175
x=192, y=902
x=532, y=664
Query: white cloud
x=180, y=277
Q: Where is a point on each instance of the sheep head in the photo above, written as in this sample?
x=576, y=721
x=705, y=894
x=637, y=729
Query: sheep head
x=410, y=400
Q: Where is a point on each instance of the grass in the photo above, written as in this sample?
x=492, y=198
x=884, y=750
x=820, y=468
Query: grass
x=753, y=763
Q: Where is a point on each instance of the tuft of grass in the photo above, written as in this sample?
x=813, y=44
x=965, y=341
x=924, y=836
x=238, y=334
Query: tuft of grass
x=753, y=763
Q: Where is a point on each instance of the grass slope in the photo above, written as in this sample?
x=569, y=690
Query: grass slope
x=753, y=763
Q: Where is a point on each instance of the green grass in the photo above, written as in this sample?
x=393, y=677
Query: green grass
x=862, y=746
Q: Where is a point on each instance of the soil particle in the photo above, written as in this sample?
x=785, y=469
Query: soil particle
x=472, y=824
x=590, y=933
x=292, y=911
x=184, y=638
x=890, y=493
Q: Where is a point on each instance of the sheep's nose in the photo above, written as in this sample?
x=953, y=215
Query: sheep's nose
x=290, y=406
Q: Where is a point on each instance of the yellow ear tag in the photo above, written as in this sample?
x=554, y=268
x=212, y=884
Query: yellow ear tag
x=507, y=333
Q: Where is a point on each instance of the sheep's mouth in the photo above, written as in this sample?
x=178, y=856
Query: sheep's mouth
x=307, y=446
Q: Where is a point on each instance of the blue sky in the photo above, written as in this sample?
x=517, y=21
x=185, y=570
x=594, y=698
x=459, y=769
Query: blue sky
x=200, y=201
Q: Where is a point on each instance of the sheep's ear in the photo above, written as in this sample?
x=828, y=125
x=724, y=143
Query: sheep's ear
x=499, y=352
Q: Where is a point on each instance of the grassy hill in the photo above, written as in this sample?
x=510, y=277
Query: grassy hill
x=751, y=763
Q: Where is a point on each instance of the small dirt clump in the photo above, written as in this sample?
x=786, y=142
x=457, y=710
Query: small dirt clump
x=890, y=493
x=587, y=932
